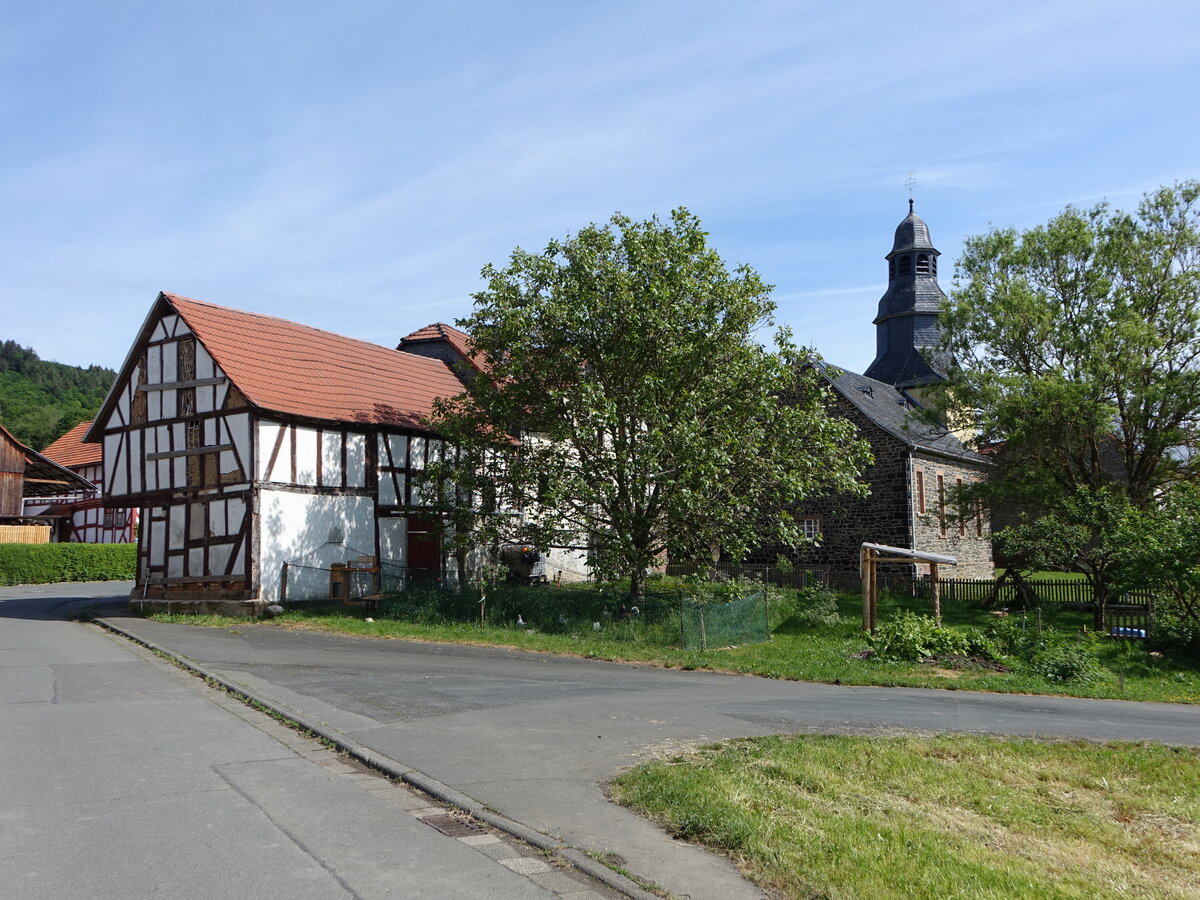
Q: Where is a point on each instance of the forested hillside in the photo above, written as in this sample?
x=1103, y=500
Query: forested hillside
x=40, y=400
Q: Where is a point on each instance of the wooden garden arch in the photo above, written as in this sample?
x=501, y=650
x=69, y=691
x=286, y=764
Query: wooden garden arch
x=872, y=554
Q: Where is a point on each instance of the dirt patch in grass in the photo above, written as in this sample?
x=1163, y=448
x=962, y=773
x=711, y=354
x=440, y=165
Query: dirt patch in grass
x=960, y=664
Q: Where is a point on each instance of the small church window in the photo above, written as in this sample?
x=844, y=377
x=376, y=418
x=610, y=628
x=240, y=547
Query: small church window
x=906, y=265
x=962, y=519
x=812, y=527
x=923, y=264
x=920, y=489
x=941, y=492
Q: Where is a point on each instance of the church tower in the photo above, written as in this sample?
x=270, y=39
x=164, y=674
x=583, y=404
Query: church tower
x=907, y=322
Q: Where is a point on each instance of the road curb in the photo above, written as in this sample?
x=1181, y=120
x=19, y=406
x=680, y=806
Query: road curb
x=572, y=856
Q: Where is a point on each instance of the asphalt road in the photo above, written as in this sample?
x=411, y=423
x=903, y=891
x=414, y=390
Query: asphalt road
x=535, y=736
x=123, y=776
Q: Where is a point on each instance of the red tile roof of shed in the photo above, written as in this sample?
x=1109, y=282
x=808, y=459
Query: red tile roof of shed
x=298, y=370
x=70, y=450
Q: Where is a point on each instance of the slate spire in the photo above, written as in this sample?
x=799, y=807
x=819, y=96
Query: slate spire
x=907, y=322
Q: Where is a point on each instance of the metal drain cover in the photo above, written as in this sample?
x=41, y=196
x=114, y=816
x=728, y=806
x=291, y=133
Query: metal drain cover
x=452, y=826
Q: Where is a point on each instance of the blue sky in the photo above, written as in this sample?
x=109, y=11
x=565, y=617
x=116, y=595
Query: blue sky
x=353, y=165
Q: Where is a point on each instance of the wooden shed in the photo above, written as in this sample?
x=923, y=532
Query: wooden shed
x=26, y=473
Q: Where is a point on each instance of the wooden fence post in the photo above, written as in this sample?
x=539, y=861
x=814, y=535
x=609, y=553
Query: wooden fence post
x=935, y=587
x=868, y=572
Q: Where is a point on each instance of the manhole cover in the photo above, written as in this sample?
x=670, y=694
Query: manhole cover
x=452, y=826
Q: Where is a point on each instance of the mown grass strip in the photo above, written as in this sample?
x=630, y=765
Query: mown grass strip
x=936, y=818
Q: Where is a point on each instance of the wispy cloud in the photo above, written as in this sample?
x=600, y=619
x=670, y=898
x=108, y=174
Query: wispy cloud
x=355, y=166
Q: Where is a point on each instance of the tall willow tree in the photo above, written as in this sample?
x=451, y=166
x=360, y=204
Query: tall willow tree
x=629, y=406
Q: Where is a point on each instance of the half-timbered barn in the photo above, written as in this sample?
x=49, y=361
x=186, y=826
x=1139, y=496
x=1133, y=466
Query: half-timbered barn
x=80, y=515
x=26, y=474
x=250, y=441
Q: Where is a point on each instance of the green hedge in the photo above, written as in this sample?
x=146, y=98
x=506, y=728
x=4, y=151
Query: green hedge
x=46, y=563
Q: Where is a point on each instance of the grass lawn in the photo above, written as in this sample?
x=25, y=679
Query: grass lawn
x=800, y=653
x=944, y=817
x=1049, y=576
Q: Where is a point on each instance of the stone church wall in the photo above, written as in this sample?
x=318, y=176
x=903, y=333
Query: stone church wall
x=882, y=517
x=939, y=528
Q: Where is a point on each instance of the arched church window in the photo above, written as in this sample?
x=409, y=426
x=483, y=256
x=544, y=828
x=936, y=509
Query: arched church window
x=923, y=264
x=906, y=265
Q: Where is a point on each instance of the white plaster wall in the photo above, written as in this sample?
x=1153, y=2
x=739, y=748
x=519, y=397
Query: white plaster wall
x=393, y=539
x=138, y=463
x=237, y=432
x=331, y=458
x=158, y=542
x=356, y=460
x=387, y=489
x=571, y=563
x=121, y=415
x=205, y=367
x=268, y=433
x=114, y=476
x=306, y=456
x=299, y=526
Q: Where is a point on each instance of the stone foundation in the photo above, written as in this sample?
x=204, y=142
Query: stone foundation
x=215, y=599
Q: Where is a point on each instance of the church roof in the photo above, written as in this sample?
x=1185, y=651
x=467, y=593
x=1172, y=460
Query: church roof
x=893, y=410
x=912, y=234
x=918, y=295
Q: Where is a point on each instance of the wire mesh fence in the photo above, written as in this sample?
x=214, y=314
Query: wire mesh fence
x=673, y=617
x=742, y=621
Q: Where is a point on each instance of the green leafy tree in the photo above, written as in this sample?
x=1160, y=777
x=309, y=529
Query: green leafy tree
x=1076, y=346
x=1084, y=530
x=1159, y=549
x=629, y=407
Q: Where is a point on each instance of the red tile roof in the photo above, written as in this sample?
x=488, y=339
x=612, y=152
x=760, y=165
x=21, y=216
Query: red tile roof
x=455, y=337
x=70, y=450
x=298, y=370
